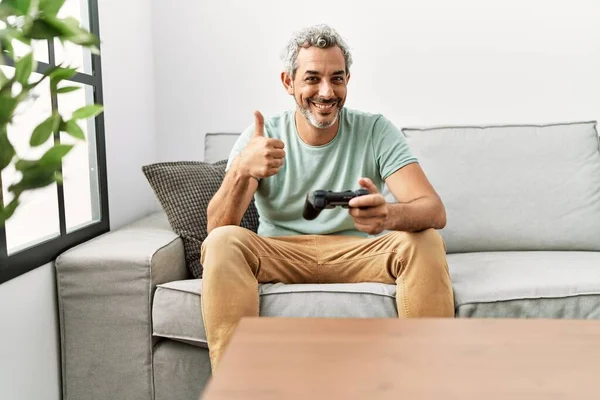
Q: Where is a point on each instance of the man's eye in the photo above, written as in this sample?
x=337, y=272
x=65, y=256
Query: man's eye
x=311, y=79
x=338, y=79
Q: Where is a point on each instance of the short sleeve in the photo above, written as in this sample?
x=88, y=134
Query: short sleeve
x=390, y=149
x=240, y=145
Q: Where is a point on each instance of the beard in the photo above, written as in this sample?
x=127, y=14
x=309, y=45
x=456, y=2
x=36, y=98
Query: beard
x=312, y=118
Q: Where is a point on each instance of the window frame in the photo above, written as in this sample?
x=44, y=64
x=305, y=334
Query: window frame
x=19, y=263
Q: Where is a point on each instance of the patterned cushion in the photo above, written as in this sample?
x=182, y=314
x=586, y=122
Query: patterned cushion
x=184, y=189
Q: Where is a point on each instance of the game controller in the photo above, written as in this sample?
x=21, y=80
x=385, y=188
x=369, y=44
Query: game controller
x=320, y=200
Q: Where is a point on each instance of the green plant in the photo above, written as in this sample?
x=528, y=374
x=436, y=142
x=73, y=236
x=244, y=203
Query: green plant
x=25, y=21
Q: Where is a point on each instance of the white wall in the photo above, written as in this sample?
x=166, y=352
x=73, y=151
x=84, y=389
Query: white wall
x=430, y=62
x=29, y=338
x=128, y=81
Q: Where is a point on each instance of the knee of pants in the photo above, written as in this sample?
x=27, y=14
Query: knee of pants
x=425, y=246
x=428, y=239
x=223, y=239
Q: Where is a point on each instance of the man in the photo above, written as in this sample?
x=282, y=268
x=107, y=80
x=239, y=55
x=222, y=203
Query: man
x=321, y=145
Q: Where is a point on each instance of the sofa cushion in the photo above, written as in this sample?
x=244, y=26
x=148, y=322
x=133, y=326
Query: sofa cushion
x=184, y=189
x=509, y=188
x=535, y=284
x=538, y=284
x=177, y=314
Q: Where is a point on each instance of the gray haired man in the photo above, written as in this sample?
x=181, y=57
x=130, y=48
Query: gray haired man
x=321, y=145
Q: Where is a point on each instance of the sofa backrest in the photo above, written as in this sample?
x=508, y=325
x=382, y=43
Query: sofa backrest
x=505, y=188
x=218, y=145
x=515, y=188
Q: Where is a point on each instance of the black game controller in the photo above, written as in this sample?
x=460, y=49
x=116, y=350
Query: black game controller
x=320, y=200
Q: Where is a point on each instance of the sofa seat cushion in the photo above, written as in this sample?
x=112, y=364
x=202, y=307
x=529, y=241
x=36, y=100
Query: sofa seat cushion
x=534, y=284
x=177, y=315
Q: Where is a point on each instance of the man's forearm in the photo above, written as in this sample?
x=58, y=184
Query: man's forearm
x=228, y=205
x=417, y=215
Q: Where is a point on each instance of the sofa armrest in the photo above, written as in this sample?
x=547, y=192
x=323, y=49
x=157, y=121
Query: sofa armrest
x=105, y=289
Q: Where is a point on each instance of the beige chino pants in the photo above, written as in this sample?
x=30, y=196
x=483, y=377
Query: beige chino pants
x=235, y=260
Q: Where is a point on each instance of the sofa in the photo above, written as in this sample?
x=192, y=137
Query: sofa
x=523, y=241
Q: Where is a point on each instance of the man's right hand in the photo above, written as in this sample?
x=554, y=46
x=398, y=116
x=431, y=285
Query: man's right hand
x=262, y=157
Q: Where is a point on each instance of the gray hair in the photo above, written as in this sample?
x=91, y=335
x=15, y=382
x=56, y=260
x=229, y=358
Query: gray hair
x=321, y=36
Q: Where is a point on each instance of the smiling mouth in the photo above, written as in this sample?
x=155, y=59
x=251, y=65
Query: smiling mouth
x=323, y=107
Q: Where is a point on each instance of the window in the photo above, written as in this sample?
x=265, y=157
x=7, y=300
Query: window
x=52, y=219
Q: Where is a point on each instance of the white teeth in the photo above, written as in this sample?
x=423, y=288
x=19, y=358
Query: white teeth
x=324, y=106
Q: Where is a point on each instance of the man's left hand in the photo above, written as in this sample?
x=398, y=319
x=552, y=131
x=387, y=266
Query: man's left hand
x=370, y=211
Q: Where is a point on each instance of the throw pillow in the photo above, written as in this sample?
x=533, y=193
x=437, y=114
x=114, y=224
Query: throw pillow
x=184, y=189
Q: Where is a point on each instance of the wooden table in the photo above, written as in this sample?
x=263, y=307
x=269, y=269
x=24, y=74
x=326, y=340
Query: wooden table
x=483, y=359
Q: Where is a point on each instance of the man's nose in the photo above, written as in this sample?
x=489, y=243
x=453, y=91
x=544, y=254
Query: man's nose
x=325, y=89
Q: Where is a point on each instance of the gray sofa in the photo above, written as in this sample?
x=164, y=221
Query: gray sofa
x=523, y=240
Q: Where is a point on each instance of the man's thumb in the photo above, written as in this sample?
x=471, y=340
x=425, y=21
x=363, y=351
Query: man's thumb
x=368, y=184
x=259, y=124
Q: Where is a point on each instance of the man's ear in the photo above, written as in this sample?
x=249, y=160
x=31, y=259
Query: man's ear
x=287, y=81
x=347, y=78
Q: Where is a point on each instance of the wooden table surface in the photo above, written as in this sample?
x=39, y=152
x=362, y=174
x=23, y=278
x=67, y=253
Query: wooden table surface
x=483, y=359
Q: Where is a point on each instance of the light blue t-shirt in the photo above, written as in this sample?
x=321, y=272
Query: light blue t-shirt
x=366, y=145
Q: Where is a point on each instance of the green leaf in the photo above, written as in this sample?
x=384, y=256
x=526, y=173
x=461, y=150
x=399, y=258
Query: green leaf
x=84, y=38
x=41, y=29
x=3, y=79
x=7, y=88
x=67, y=89
x=7, y=151
x=73, y=23
x=53, y=70
x=53, y=157
x=45, y=75
x=8, y=104
x=23, y=68
x=87, y=111
x=22, y=6
x=34, y=178
x=23, y=95
x=18, y=35
x=8, y=211
x=43, y=172
x=51, y=7
x=6, y=10
x=71, y=31
x=58, y=74
x=22, y=165
x=44, y=130
x=65, y=28
x=7, y=47
x=73, y=129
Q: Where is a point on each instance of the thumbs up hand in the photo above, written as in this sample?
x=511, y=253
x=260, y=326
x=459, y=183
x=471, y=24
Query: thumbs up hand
x=262, y=157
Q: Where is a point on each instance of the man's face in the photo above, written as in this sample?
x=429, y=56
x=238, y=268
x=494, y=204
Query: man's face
x=319, y=86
